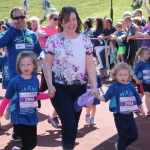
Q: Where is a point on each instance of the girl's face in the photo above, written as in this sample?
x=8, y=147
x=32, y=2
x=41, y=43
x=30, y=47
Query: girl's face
x=122, y=76
x=111, y=45
x=54, y=20
x=34, y=26
x=71, y=25
x=118, y=28
x=145, y=55
x=26, y=66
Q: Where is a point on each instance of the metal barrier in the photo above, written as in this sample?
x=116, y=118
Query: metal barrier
x=132, y=48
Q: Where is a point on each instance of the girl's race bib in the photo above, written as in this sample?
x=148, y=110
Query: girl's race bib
x=27, y=101
x=127, y=104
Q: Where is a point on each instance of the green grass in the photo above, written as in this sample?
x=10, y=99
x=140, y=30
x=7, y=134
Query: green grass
x=86, y=8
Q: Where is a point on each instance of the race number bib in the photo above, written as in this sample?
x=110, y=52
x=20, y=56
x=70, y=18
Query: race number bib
x=127, y=104
x=146, y=74
x=28, y=101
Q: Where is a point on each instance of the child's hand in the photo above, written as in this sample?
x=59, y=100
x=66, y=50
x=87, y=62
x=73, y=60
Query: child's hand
x=95, y=92
x=51, y=91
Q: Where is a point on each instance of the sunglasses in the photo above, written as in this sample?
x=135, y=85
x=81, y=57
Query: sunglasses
x=55, y=19
x=19, y=17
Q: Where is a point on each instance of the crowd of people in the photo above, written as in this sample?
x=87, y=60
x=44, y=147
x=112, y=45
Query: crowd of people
x=65, y=50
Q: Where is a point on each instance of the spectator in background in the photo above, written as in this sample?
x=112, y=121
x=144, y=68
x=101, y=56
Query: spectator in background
x=92, y=20
x=138, y=13
x=87, y=28
x=52, y=9
x=105, y=35
x=45, y=7
x=130, y=34
x=138, y=21
x=127, y=13
x=7, y=23
x=145, y=33
x=98, y=45
x=148, y=10
x=3, y=29
x=26, y=6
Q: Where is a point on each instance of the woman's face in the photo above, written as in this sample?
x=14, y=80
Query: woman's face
x=71, y=25
x=54, y=20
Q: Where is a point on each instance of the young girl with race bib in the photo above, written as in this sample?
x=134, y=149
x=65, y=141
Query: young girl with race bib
x=23, y=92
x=142, y=74
x=124, y=100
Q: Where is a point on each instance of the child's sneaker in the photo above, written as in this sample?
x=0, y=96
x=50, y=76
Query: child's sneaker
x=92, y=121
x=87, y=118
x=15, y=136
x=54, y=121
x=15, y=148
x=116, y=146
x=148, y=113
x=7, y=115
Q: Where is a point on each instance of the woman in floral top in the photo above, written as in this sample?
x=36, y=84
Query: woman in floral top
x=68, y=58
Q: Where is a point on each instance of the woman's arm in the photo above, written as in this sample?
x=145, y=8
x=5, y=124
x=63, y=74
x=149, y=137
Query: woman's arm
x=48, y=62
x=90, y=68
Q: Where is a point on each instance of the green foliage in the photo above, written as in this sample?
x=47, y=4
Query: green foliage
x=86, y=8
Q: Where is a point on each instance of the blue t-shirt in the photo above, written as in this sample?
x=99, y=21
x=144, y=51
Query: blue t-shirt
x=5, y=73
x=117, y=91
x=142, y=71
x=17, y=41
x=17, y=88
x=120, y=34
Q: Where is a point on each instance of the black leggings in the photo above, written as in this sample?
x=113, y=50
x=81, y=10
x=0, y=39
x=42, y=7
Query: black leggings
x=28, y=135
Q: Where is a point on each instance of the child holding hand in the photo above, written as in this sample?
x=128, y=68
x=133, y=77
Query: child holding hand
x=124, y=100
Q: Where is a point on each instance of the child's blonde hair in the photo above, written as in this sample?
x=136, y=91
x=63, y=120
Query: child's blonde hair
x=25, y=54
x=138, y=53
x=121, y=66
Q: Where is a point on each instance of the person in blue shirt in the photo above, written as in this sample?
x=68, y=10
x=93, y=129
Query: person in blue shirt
x=124, y=100
x=17, y=39
x=89, y=119
x=142, y=74
x=4, y=68
x=23, y=92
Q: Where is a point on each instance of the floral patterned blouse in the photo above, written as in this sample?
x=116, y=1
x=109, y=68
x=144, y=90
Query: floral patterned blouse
x=69, y=58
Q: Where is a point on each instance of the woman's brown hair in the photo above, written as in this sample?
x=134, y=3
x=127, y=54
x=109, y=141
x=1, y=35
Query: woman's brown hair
x=65, y=14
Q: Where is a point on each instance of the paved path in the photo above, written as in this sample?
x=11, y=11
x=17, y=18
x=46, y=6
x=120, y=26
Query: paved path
x=102, y=136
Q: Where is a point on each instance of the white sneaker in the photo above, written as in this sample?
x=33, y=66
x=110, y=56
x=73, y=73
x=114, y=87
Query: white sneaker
x=92, y=121
x=116, y=146
x=87, y=119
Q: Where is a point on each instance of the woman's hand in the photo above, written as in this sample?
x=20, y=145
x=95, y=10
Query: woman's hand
x=95, y=92
x=51, y=91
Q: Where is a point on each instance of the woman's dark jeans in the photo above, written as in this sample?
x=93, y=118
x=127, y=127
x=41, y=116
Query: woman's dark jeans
x=63, y=103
